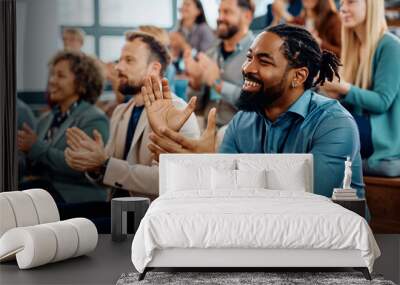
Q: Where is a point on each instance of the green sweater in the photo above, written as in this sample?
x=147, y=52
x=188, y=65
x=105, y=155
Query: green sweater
x=382, y=100
x=48, y=157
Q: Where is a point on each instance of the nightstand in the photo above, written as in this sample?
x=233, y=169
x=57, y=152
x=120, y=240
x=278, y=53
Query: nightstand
x=356, y=205
x=119, y=209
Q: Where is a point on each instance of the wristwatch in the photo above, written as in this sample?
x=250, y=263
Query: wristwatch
x=103, y=167
x=99, y=175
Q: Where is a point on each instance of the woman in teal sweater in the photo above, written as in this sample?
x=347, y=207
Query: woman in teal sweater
x=370, y=85
x=75, y=83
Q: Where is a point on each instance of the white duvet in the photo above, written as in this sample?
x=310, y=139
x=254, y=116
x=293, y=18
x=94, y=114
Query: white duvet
x=250, y=218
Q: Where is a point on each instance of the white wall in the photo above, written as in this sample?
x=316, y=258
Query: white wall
x=37, y=34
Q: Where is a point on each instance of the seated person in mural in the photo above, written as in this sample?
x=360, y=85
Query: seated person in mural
x=75, y=83
x=124, y=163
x=24, y=116
x=370, y=85
x=73, y=39
x=279, y=113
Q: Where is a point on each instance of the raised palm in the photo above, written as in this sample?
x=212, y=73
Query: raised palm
x=161, y=112
x=174, y=142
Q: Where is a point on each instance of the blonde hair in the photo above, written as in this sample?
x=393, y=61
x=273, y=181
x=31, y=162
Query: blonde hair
x=77, y=32
x=357, y=67
x=159, y=33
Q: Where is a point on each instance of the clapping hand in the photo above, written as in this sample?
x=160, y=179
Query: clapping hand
x=335, y=89
x=193, y=70
x=84, y=153
x=161, y=112
x=211, y=70
x=173, y=142
x=26, y=138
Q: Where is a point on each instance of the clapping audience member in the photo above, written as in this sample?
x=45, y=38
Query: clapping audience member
x=125, y=163
x=193, y=34
x=24, y=116
x=322, y=20
x=215, y=76
x=283, y=11
x=370, y=83
x=163, y=37
x=73, y=39
x=74, y=84
x=108, y=106
x=112, y=74
x=280, y=114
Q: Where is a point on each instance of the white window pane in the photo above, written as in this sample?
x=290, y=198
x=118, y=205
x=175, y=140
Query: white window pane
x=110, y=47
x=88, y=45
x=211, y=10
x=133, y=13
x=76, y=12
x=261, y=7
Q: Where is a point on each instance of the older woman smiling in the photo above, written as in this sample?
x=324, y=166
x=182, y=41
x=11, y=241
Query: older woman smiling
x=75, y=83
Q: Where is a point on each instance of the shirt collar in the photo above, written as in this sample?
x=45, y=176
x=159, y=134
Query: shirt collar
x=300, y=107
x=57, y=109
x=245, y=42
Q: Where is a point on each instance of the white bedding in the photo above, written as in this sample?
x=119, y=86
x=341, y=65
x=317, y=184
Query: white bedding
x=252, y=218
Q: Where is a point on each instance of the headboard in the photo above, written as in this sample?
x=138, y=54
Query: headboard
x=278, y=162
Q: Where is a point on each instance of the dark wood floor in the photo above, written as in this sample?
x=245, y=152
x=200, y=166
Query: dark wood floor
x=103, y=266
x=106, y=264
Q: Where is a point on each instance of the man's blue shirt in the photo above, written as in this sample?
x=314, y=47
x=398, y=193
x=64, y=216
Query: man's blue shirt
x=313, y=124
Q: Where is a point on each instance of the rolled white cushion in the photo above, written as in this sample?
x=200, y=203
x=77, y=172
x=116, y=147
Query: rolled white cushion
x=7, y=218
x=46, y=208
x=23, y=208
x=33, y=246
x=67, y=240
x=37, y=245
x=87, y=235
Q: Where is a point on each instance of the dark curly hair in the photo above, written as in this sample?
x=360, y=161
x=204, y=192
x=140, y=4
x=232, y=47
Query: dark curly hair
x=302, y=50
x=89, y=76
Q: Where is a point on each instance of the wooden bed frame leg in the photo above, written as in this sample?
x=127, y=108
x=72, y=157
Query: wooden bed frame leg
x=365, y=272
x=143, y=274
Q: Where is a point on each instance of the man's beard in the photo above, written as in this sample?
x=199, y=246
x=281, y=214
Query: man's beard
x=229, y=33
x=265, y=97
x=130, y=89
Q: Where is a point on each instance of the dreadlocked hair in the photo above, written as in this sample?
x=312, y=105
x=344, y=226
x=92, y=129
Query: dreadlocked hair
x=302, y=50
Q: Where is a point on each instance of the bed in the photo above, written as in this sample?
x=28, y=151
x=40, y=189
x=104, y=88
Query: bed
x=247, y=211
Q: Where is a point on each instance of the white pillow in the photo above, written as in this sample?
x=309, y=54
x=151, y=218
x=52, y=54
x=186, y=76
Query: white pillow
x=227, y=179
x=182, y=177
x=280, y=174
x=193, y=175
x=292, y=179
x=223, y=179
x=251, y=179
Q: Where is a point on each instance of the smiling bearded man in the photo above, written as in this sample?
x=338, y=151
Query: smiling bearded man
x=125, y=163
x=281, y=114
